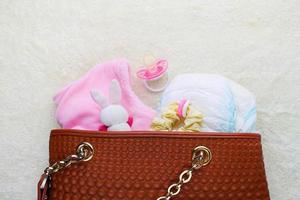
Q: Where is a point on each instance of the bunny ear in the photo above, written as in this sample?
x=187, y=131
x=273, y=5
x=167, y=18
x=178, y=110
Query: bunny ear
x=99, y=98
x=114, y=92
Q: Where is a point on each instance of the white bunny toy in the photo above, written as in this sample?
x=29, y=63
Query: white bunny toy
x=112, y=114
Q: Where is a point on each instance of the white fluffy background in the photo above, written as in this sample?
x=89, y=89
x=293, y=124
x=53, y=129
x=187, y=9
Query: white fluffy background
x=47, y=44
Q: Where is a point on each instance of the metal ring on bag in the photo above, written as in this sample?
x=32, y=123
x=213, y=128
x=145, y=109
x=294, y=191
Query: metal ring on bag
x=86, y=150
x=201, y=156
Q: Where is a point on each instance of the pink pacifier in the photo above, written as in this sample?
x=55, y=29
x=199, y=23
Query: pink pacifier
x=154, y=72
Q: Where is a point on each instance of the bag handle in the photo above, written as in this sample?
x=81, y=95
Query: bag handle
x=201, y=156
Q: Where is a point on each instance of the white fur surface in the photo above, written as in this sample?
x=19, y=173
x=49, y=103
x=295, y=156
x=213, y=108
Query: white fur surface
x=46, y=44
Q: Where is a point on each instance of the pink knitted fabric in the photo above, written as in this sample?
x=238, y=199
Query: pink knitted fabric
x=77, y=110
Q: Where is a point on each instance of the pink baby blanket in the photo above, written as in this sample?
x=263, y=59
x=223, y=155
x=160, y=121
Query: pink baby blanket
x=77, y=110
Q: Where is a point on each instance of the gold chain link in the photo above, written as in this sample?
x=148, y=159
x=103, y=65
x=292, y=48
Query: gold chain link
x=84, y=152
x=201, y=156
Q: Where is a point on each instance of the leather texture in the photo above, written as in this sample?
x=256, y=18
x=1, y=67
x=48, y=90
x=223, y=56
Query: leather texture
x=141, y=165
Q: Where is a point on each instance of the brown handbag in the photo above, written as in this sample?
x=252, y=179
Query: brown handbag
x=92, y=165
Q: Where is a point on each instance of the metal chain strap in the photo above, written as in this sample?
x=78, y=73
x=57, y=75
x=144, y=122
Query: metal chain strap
x=84, y=152
x=201, y=157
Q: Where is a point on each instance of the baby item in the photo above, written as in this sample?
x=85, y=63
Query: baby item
x=76, y=108
x=226, y=106
x=181, y=115
x=154, y=72
x=113, y=116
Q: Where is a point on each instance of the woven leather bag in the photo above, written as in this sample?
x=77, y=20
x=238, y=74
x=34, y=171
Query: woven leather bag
x=153, y=165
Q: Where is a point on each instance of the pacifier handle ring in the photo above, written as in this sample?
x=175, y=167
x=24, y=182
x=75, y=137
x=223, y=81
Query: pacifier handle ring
x=160, y=89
